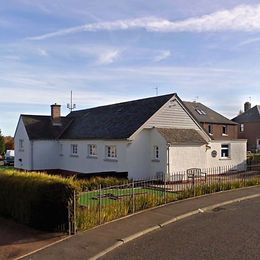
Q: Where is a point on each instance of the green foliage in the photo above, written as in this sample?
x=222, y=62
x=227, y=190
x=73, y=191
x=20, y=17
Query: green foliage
x=35, y=199
x=95, y=182
x=94, y=214
x=2, y=144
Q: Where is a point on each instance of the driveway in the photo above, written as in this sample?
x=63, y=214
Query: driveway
x=17, y=240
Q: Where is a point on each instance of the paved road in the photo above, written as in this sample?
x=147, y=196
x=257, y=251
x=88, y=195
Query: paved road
x=230, y=232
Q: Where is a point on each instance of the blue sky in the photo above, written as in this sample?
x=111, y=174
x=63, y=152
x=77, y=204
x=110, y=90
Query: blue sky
x=111, y=51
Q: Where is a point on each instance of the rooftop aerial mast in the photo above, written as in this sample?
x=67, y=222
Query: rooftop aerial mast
x=70, y=105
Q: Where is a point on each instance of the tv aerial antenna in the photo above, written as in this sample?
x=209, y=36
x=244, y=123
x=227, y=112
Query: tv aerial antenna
x=71, y=105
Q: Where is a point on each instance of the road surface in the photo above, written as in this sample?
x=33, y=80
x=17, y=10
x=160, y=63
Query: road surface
x=230, y=232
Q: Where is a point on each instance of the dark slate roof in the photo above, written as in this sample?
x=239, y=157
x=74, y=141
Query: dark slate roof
x=209, y=115
x=181, y=136
x=251, y=115
x=117, y=121
x=41, y=127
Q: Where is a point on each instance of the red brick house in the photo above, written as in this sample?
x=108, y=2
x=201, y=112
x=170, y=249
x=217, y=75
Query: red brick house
x=249, y=129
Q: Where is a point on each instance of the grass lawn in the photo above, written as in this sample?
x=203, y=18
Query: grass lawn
x=111, y=196
x=2, y=167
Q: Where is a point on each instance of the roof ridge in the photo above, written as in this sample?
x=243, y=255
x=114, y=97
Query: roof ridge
x=121, y=103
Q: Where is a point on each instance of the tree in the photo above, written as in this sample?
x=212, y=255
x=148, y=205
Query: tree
x=9, y=142
x=2, y=144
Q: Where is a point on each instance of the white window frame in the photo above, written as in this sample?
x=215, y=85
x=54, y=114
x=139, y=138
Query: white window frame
x=156, y=152
x=224, y=148
x=242, y=128
x=111, y=151
x=21, y=144
x=74, y=149
x=224, y=133
x=92, y=150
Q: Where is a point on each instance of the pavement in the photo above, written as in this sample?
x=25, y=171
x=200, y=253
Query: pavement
x=98, y=241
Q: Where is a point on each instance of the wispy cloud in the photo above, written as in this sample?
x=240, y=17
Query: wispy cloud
x=162, y=56
x=249, y=41
x=108, y=57
x=240, y=18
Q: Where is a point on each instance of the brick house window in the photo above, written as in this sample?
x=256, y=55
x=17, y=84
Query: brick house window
x=92, y=150
x=224, y=130
x=242, y=127
x=210, y=129
x=111, y=151
x=225, y=151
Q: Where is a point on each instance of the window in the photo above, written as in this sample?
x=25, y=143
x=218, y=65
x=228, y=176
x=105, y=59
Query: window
x=225, y=151
x=242, y=128
x=92, y=150
x=74, y=149
x=21, y=144
x=201, y=112
x=156, y=152
x=224, y=130
x=61, y=149
x=111, y=151
x=210, y=129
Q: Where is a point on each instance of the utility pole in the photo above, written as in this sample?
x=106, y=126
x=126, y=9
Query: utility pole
x=156, y=91
x=70, y=105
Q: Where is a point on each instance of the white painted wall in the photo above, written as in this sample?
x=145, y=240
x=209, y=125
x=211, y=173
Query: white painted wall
x=45, y=155
x=185, y=157
x=22, y=158
x=84, y=164
x=140, y=160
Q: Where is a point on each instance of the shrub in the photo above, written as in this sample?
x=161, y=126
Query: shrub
x=36, y=199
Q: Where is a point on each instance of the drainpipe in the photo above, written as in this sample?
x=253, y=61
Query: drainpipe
x=31, y=154
x=168, y=159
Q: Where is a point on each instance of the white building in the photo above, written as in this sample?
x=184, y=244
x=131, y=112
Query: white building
x=141, y=138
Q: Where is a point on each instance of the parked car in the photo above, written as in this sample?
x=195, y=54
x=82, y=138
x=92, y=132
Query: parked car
x=9, y=157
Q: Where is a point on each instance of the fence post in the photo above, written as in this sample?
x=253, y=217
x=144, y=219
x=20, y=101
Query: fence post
x=99, y=211
x=75, y=211
x=133, y=197
x=69, y=220
x=165, y=188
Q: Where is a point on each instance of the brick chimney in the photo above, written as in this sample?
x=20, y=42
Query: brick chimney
x=55, y=114
x=247, y=106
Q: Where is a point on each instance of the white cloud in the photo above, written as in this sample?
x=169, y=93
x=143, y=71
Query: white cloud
x=43, y=52
x=162, y=56
x=108, y=57
x=249, y=41
x=241, y=18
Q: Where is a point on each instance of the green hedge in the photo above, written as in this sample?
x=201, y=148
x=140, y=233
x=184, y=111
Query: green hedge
x=36, y=199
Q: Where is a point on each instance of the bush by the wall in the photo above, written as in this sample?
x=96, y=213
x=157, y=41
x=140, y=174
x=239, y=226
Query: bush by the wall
x=36, y=199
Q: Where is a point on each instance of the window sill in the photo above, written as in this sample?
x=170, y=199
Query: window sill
x=91, y=157
x=155, y=160
x=74, y=155
x=110, y=159
x=210, y=134
x=224, y=158
x=224, y=134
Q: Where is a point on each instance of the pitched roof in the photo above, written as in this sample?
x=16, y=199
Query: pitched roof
x=41, y=127
x=181, y=136
x=251, y=115
x=204, y=114
x=116, y=121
